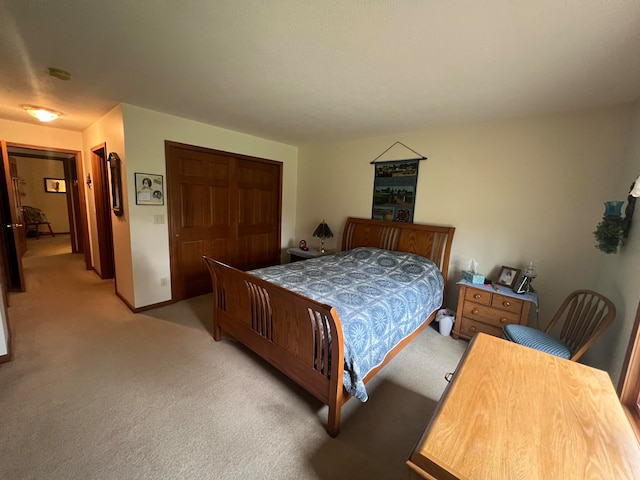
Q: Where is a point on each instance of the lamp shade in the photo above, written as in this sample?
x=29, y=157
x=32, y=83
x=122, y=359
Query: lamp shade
x=323, y=231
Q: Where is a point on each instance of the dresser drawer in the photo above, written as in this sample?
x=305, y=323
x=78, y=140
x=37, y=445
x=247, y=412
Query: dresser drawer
x=470, y=327
x=482, y=309
x=478, y=296
x=506, y=303
x=486, y=314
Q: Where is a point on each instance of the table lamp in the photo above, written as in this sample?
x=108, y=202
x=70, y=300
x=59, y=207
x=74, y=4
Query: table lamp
x=323, y=231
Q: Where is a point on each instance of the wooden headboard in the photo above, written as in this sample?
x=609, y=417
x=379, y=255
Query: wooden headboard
x=430, y=241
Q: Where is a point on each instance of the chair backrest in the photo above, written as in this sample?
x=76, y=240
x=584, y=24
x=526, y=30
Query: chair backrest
x=582, y=318
x=33, y=215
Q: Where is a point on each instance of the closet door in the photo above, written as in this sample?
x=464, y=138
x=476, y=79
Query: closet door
x=221, y=205
x=258, y=210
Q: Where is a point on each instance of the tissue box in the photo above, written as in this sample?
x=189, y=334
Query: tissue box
x=472, y=277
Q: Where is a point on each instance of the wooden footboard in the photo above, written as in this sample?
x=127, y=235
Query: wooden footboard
x=290, y=331
x=286, y=329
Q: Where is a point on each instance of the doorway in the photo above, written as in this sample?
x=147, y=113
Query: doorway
x=46, y=179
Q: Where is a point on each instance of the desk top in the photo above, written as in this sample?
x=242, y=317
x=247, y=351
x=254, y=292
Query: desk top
x=513, y=412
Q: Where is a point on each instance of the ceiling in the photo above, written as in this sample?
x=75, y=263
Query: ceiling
x=301, y=71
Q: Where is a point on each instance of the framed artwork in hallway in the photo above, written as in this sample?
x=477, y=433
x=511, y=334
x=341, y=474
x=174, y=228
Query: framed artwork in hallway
x=55, y=185
x=149, y=189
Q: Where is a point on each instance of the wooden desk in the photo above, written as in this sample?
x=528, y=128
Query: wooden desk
x=512, y=412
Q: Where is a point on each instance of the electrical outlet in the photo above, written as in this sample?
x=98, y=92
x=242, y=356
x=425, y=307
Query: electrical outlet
x=158, y=219
x=163, y=282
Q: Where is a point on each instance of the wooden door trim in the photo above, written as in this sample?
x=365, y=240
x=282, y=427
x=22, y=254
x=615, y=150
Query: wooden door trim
x=195, y=148
x=83, y=227
x=103, y=211
x=173, y=217
x=16, y=217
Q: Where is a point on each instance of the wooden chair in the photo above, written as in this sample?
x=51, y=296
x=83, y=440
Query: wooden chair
x=581, y=319
x=33, y=218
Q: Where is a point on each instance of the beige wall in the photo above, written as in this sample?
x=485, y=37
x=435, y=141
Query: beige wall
x=110, y=130
x=34, y=135
x=529, y=189
x=145, y=135
x=54, y=205
x=620, y=274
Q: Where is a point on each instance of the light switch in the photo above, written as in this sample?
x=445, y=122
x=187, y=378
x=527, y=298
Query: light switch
x=158, y=219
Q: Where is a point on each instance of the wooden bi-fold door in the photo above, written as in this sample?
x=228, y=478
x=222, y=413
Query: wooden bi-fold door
x=222, y=205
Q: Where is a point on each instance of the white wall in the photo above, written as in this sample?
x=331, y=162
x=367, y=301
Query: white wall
x=619, y=277
x=529, y=189
x=34, y=135
x=54, y=205
x=145, y=135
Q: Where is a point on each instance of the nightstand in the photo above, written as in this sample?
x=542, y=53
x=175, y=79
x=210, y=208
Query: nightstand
x=483, y=309
x=298, y=254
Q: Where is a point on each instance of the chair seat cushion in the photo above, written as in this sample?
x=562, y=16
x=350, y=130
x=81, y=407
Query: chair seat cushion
x=534, y=338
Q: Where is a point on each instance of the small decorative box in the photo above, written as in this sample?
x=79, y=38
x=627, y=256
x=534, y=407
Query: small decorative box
x=472, y=277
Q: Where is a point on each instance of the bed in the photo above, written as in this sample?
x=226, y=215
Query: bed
x=289, y=314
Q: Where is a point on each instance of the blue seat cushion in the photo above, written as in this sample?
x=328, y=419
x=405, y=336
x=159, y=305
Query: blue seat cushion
x=534, y=338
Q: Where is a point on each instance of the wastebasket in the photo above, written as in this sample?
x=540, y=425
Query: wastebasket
x=445, y=319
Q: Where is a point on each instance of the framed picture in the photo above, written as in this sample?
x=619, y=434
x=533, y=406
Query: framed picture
x=149, y=189
x=508, y=276
x=55, y=185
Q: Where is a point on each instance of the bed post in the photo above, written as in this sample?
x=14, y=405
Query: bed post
x=214, y=328
x=337, y=394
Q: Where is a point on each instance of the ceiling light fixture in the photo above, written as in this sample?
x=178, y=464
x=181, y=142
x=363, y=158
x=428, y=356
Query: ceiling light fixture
x=42, y=114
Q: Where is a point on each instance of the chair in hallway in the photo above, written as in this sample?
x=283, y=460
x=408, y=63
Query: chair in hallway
x=581, y=319
x=33, y=218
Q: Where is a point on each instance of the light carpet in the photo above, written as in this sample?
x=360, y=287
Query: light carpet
x=97, y=392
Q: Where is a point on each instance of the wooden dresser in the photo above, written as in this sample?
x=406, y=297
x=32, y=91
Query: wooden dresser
x=512, y=412
x=483, y=309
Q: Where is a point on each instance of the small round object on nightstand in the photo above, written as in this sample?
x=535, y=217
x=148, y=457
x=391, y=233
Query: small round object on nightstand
x=303, y=245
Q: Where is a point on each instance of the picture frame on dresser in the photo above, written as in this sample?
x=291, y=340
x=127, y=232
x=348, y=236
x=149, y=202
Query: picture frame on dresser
x=508, y=276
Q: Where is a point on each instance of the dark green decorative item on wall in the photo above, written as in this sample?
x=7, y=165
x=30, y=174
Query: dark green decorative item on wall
x=610, y=230
x=613, y=229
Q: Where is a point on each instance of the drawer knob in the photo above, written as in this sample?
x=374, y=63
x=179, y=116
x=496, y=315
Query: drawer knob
x=506, y=304
x=503, y=320
x=474, y=311
x=473, y=328
x=477, y=295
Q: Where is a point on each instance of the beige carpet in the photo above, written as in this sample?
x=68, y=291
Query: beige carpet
x=97, y=392
x=47, y=246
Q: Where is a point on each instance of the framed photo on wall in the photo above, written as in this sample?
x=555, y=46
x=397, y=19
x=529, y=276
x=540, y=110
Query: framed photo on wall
x=508, y=276
x=149, y=189
x=55, y=185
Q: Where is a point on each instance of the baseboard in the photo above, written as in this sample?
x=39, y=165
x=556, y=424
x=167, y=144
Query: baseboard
x=5, y=358
x=153, y=305
x=146, y=307
x=125, y=301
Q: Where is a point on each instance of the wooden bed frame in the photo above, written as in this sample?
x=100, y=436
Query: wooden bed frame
x=287, y=329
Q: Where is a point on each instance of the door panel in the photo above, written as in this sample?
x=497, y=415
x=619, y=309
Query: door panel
x=221, y=205
x=101, y=188
x=14, y=221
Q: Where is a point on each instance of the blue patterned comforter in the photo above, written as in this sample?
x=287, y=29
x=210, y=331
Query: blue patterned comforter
x=381, y=297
